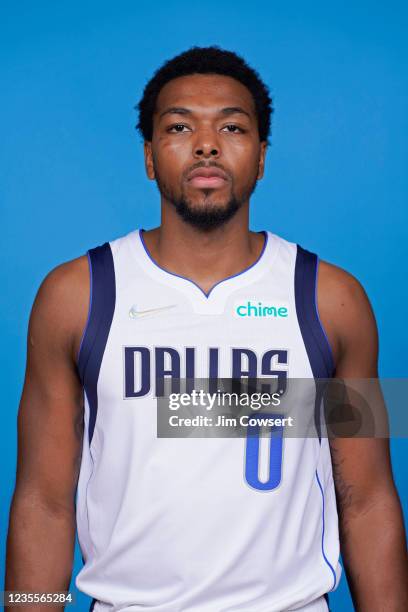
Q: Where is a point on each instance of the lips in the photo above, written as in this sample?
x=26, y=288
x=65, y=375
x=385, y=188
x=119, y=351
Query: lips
x=209, y=178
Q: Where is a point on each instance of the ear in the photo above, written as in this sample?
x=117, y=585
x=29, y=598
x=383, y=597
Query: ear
x=262, y=155
x=148, y=155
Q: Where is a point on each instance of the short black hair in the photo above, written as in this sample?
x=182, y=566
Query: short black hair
x=205, y=60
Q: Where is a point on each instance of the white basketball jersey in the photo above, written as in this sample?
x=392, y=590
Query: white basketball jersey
x=187, y=524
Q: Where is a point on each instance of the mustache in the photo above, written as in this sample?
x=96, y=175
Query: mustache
x=202, y=164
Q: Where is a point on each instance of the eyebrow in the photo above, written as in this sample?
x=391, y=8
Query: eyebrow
x=228, y=110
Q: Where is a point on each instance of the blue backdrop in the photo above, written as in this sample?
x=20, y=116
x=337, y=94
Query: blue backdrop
x=71, y=164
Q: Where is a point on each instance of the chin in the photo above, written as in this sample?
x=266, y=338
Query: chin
x=207, y=202
x=206, y=215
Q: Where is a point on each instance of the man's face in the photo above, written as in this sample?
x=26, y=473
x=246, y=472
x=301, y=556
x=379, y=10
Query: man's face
x=205, y=153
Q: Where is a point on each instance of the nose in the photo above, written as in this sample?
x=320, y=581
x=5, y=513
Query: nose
x=206, y=145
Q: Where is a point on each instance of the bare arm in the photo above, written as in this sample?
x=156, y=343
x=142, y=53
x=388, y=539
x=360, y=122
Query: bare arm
x=372, y=535
x=41, y=536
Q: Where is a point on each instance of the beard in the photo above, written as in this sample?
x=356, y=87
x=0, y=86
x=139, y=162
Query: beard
x=209, y=214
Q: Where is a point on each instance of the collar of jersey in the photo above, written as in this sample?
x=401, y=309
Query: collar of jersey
x=213, y=301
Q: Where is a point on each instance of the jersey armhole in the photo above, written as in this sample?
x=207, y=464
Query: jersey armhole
x=330, y=355
x=84, y=333
x=100, y=316
x=314, y=336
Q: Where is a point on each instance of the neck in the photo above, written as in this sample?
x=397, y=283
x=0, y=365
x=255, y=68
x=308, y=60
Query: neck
x=204, y=257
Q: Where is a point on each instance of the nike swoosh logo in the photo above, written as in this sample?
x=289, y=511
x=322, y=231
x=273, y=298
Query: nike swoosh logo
x=137, y=314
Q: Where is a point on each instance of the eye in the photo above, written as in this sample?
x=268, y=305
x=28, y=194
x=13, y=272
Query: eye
x=177, y=128
x=234, y=129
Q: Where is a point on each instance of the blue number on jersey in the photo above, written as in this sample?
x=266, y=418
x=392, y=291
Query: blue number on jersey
x=252, y=454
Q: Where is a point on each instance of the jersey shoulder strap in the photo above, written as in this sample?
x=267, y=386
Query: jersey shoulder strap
x=100, y=314
x=314, y=336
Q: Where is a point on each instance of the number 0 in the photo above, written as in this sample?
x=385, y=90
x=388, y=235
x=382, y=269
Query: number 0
x=253, y=442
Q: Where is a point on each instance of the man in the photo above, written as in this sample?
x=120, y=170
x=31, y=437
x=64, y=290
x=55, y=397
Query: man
x=187, y=524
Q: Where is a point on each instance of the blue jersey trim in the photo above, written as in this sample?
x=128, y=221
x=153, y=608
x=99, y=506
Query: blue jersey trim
x=223, y=280
x=102, y=301
x=314, y=336
x=89, y=307
x=330, y=357
x=324, y=554
x=93, y=602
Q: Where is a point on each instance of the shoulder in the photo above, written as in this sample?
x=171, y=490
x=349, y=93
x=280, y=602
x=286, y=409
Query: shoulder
x=341, y=290
x=346, y=313
x=61, y=305
x=64, y=283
